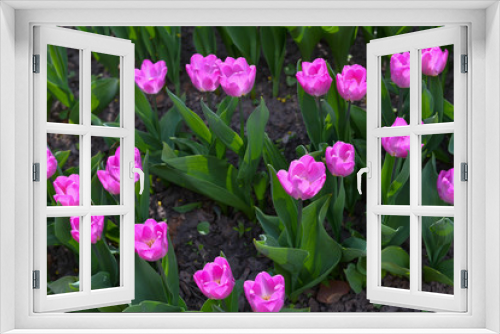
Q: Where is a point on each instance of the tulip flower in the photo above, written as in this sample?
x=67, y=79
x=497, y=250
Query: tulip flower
x=237, y=77
x=266, y=293
x=433, y=61
x=151, y=77
x=340, y=159
x=204, y=72
x=397, y=146
x=351, y=83
x=304, y=179
x=400, y=69
x=51, y=164
x=215, y=280
x=67, y=190
x=96, y=228
x=110, y=178
x=151, y=240
x=314, y=77
x=445, y=185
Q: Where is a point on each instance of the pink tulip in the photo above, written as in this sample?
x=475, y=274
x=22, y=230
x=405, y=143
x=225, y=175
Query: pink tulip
x=314, y=77
x=237, y=77
x=266, y=293
x=397, y=146
x=400, y=69
x=304, y=178
x=110, y=178
x=216, y=280
x=433, y=61
x=51, y=164
x=351, y=84
x=151, y=77
x=340, y=159
x=151, y=241
x=96, y=228
x=204, y=72
x=445, y=185
x=67, y=190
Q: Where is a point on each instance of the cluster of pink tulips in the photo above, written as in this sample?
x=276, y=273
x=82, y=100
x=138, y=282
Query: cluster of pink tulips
x=265, y=294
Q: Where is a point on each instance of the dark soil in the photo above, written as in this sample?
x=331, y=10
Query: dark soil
x=285, y=127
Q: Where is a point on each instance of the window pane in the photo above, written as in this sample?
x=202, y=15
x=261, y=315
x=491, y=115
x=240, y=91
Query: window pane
x=395, y=170
x=395, y=256
x=63, y=84
x=437, y=169
x=395, y=89
x=63, y=252
x=105, y=239
x=106, y=172
x=105, y=89
x=63, y=170
x=437, y=84
x=437, y=254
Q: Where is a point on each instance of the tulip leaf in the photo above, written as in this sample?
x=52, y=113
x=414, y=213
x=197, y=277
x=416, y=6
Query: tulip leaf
x=190, y=146
x=101, y=280
x=145, y=113
x=306, y=38
x=358, y=121
x=388, y=114
x=107, y=262
x=63, y=233
x=340, y=43
x=353, y=248
x=246, y=40
x=193, y=121
x=206, y=175
x=171, y=269
x=437, y=93
x=151, y=306
x=142, y=208
x=285, y=206
x=434, y=275
x=169, y=49
x=211, y=305
x=63, y=285
x=396, y=261
x=309, y=110
x=223, y=132
x=61, y=157
x=103, y=91
x=448, y=111
x=437, y=234
x=338, y=208
x=270, y=224
x=430, y=194
x=273, y=48
x=170, y=124
x=397, y=185
x=256, y=127
x=232, y=299
x=227, y=108
x=290, y=259
x=204, y=40
x=356, y=279
x=148, y=284
x=188, y=207
x=272, y=156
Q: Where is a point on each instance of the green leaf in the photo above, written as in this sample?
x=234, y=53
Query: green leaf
x=396, y=261
x=290, y=259
x=103, y=92
x=63, y=285
x=340, y=43
x=272, y=156
x=145, y=113
x=399, y=181
x=107, y=262
x=256, y=127
x=434, y=275
x=170, y=124
x=436, y=90
x=353, y=248
x=358, y=121
x=270, y=224
x=430, y=195
x=306, y=39
x=101, y=280
x=356, y=280
x=437, y=234
x=203, y=228
x=388, y=114
x=206, y=175
x=223, y=132
x=232, y=299
x=338, y=209
x=451, y=144
x=144, y=199
x=188, y=207
x=63, y=233
x=193, y=121
x=246, y=40
x=273, y=47
x=211, y=305
x=427, y=103
x=171, y=269
x=309, y=110
x=61, y=157
x=148, y=284
x=204, y=40
x=151, y=306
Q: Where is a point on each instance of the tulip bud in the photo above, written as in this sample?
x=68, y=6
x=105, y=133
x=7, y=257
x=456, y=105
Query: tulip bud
x=445, y=185
x=151, y=77
x=397, y=146
x=351, y=84
x=340, y=159
x=400, y=69
x=215, y=280
x=67, y=190
x=51, y=164
x=266, y=293
x=433, y=61
x=314, y=77
x=96, y=228
x=110, y=178
x=151, y=241
x=304, y=179
x=237, y=77
x=204, y=72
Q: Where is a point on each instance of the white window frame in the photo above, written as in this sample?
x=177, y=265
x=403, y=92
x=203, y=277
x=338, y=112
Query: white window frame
x=16, y=21
x=85, y=43
x=414, y=296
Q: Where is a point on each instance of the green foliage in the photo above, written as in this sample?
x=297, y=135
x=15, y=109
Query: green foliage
x=274, y=47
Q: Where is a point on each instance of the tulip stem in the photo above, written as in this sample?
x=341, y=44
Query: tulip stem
x=299, y=223
x=394, y=168
x=209, y=102
x=321, y=121
x=97, y=254
x=162, y=274
x=242, y=123
x=347, y=123
x=224, y=305
x=155, y=105
x=400, y=103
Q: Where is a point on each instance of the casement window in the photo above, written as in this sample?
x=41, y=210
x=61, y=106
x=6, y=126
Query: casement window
x=475, y=238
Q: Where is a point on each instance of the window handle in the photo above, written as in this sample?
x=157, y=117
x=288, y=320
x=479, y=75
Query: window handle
x=368, y=171
x=134, y=170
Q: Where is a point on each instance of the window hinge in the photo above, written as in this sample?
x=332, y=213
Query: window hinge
x=465, y=64
x=465, y=279
x=464, y=172
x=36, y=279
x=36, y=63
x=36, y=172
